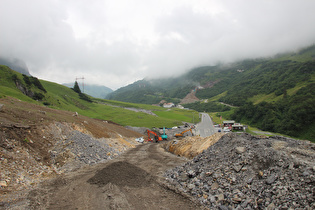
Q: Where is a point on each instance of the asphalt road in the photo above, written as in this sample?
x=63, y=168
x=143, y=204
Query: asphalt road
x=205, y=127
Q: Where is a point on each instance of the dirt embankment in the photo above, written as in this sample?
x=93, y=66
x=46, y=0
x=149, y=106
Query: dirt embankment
x=191, y=146
x=37, y=143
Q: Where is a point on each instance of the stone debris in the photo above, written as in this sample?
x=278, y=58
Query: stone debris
x=76, y=149
x=70, y=147
x=247, y=172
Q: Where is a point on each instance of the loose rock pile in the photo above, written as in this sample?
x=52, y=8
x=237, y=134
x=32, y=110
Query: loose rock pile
x=246, y=172
x=83, y=149
x=75, y=149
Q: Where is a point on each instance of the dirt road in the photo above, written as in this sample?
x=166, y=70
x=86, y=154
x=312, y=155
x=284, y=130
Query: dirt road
x=132, y=181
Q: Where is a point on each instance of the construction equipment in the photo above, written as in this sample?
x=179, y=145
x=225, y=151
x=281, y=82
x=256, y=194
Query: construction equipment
x=182, y=133
x=156, y=137
x=164, y=136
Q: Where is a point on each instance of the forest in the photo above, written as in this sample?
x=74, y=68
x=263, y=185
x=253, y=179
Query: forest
x=292, y=115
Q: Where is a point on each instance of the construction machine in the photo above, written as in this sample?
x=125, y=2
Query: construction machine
x=164, y=136
x=156, y=136
x=182, y=133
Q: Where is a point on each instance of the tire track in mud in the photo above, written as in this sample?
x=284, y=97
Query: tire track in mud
x=131, y=181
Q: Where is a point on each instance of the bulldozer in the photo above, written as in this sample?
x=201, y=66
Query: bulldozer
x=156, y=137
x=182, y=133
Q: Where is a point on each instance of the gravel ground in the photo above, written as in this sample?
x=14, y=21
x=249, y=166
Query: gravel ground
x=75, y=149
x=247, y=172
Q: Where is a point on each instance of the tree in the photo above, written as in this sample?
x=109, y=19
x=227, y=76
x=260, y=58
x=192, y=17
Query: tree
x=76, y=87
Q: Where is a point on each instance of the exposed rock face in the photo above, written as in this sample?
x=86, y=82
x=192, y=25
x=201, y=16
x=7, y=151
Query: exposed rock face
x=190, y=98
x=24, y=90
x=246, y=172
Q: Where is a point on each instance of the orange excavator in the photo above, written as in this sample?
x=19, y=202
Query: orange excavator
x=156, y=137
x=182, y=133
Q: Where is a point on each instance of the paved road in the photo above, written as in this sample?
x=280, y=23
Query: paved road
x=205, y=127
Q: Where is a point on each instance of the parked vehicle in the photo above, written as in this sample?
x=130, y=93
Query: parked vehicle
x=226, y=129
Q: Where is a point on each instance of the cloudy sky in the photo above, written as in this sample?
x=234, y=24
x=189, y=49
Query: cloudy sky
x=116, y=42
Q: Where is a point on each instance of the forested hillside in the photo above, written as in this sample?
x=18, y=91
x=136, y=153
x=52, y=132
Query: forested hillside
x=274, y=94
x=153, y=91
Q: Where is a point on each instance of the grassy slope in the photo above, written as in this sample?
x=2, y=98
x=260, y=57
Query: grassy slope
x=270, y=98
x=61, y=97
x=112, y=110
x=8, y=87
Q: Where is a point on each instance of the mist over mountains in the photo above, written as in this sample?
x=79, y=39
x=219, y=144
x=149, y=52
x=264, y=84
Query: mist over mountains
x=238, y=80
x=15, y=64
x=97, y=91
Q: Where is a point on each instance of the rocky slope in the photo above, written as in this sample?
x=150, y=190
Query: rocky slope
x=38, y=143
x=248, y=172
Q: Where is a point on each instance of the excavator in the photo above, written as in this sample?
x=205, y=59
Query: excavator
x=182, y=133
x=164, y=136
x=156, y=137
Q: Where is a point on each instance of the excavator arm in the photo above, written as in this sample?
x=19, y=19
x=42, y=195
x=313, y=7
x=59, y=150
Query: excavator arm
x=182, y=133
x=156, y=137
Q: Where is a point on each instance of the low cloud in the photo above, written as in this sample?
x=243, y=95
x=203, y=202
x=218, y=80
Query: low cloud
x=114, y=43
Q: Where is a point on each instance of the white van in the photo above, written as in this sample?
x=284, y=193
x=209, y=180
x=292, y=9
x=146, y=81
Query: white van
x=226, y=129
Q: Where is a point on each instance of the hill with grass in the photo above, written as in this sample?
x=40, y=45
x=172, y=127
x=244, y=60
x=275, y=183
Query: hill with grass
x=31, y=89
x=274, y=94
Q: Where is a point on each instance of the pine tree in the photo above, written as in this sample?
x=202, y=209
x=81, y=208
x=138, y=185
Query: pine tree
x=76, y=87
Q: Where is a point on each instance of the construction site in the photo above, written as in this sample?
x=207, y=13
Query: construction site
x=53, y=159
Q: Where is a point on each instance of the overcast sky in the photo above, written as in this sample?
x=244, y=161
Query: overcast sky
x=116, y=42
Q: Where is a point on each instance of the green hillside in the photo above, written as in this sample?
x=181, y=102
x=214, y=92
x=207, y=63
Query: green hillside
x=60, y=97
x=153, y=91
x=273, y=94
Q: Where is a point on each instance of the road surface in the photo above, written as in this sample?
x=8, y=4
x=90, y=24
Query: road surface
x=205, y=127
x=134, y=180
